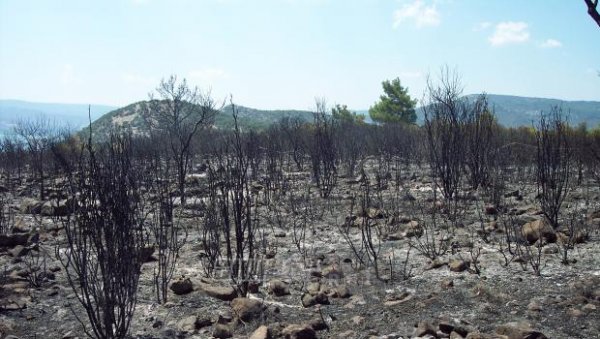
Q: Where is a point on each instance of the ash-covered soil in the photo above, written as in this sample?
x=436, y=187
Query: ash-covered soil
x=317, y=287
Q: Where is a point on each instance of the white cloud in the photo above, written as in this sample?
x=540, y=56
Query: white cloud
x=207, y=76
x=551, y=43
x=509, y=32
x=482, y=26
x=417, y=11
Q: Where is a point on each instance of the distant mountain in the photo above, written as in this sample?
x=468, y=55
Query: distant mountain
x=73, y=115
x=514, y=111
x=131, y=117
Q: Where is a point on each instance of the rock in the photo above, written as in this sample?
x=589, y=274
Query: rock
x=146, y=254
x=19, y=251
x=531, y=231
x=12, y=240
x=458, y=265
x=309, y=300
x=299, y=332
x=261, y=333
x=278, y=288
x=447, y=284
x=589, y=307
x=30, y=206
x=225, y=293
x=222, y=331
x=20, y=226
x=413, y=229
x=318, y=324
x=332, y=272
x=516, y=330
x=436, y=263
x=342, y=291
x=193, y=323
x=313, y=288
x=534, y=306
x=53, y=208
x=182, y=286
x=247, y=309
x=491, y=210
x=425, y=328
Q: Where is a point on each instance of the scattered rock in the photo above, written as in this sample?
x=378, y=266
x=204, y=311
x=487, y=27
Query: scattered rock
x=425, y=328
x=534, y=306
x=182, y=286
x=531, y=231
x=12, y=240
x=261, y=333
x=299, y=332
x=222, y=331
x=318, y=324
x=314, y=287
x=342, y=291
x=30, y=206
x=193, y=323
x=458, y=265
x=309, y=300
x=436, y=263
x=332, y=272
x=491, y=210
x=225, y=293
x=278, y=288
x=19, y=251
x=247, y=309
x=516, y=330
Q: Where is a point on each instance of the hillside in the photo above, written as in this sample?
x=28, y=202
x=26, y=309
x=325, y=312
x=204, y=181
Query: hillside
x=73, y=115
x=513, y=111
x=131, y=117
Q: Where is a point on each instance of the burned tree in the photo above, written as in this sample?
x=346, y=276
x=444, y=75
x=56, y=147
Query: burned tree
x=105, y=238
x=553, y=163
x=445, y=115
x=38, y=136
x=179, y=114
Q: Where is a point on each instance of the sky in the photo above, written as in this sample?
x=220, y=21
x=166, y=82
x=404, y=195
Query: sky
x=282, y=54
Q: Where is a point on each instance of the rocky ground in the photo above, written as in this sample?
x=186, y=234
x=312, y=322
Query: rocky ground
x=324, y=293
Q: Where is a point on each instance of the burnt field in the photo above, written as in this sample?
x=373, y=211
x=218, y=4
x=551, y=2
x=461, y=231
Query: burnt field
x=330, y=229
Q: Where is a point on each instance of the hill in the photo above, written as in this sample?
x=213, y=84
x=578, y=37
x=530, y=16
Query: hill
x=131, y=117
x=73, y=115
x=514, y=111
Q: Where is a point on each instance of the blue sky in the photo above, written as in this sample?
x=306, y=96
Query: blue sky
x=283, y=53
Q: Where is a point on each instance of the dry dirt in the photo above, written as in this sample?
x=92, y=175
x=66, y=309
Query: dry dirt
x=351, y=302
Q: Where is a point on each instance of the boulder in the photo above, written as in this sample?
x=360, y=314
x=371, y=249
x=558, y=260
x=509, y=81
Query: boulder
x=532, y=231
x=342, y=291
x=458, y=265
x=57, y=208
x=222, y=331
x=332, y=272
x=225, y=293
x=247, y=309
x=278, y=288
x=192, y=323
x=299, y=332
x=261, y=333
x=12, y=240
x=182, y=286
x=30, y=206
x=309, y=300
x=425, y=328
x=516, y=330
